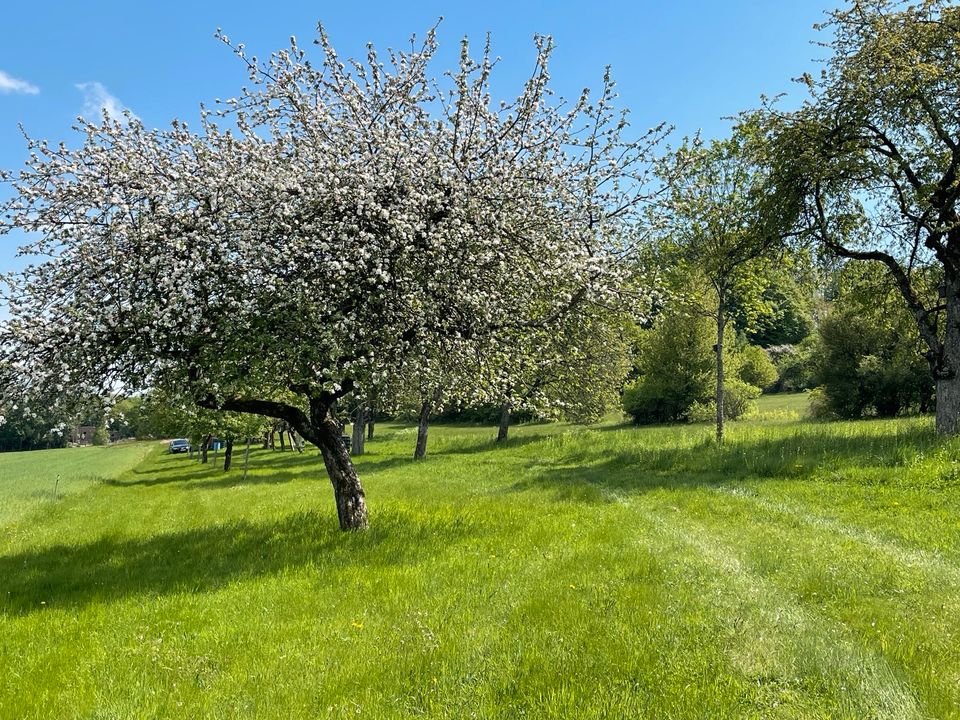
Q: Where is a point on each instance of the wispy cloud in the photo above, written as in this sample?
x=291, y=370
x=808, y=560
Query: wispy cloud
x=10, y=84
x=97, y=100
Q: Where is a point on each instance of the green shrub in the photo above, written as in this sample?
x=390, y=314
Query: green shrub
x=756, y=368
x=868, y=366
x=820, y=406
x=738, y=398
x=675, y=369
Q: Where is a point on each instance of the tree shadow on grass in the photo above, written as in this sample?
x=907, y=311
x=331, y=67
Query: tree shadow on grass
x=597, y=474
x=206, y=477
x=481, y=445
x=181, y=465
x=207, y=558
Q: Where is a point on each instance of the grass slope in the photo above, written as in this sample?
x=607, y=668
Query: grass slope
x=800, y=571
x=32, y=480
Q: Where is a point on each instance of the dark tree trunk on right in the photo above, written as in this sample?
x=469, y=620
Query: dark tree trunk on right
x=947, y=375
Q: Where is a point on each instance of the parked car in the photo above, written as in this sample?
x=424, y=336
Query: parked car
x=180, y=445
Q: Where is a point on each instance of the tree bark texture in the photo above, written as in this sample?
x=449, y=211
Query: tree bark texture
x=347, y=491
x=948, y=373
x=228, y=455
x=321, y=428
x=422, y=426
x=204, y=448
x=357, y=436
x=504, y=422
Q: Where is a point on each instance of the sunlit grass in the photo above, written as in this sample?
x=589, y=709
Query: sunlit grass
x=30, y=480
x=802, y=570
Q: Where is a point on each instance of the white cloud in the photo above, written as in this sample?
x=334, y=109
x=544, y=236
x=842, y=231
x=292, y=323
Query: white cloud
x=96, y=100
x=10, y=84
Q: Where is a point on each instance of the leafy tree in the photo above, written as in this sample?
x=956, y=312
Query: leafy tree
x=719, y=228
x=126, y=419
x=674, y=368
x=353, y=217
x=869, y=360
x=756, y=368
x=31, y=425
x=675, y=372
x=576, y=374
x=783, y=312
x=794, y=365
x=869, y=165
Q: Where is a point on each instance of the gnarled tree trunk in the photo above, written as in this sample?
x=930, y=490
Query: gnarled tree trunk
x=204, y=448
x=947, y=373
x=347, y=491
x=321, y=428
x=422, y=426
x=504, y=421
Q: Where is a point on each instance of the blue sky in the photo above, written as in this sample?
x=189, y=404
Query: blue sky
x=687, y=62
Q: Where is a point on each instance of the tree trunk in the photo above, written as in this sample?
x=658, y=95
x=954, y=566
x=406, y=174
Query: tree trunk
x=721, y=323
x=421, y=450
x=370, y=425
x=296, y=442
x=321, y=428
x=357, y=436
x=246, y=460
x=266, y=440
x=228, y=455
x=347, y=491
x=283, y=445
x=504, y=422
x=947, y=375
x=273, y=439
x=204, y=448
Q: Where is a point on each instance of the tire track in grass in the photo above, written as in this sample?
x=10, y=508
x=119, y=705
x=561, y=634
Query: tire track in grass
x=915, y=558
x=795, y=656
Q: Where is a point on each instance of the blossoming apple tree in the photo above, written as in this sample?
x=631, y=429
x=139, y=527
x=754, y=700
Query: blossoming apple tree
x=332, y=222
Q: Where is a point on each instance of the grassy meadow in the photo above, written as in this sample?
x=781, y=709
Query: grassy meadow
x=802, y=570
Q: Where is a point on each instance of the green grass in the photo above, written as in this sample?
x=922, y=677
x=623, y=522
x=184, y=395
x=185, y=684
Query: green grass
x=30, y=481
x=801, y=571
x=782, y=406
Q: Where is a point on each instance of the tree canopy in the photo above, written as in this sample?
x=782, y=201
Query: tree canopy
x=331, y=223
x=869, y=164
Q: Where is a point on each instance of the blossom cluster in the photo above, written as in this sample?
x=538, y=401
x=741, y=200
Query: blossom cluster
x=336, y=223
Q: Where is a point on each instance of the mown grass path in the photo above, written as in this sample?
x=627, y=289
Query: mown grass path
x=800, y=571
